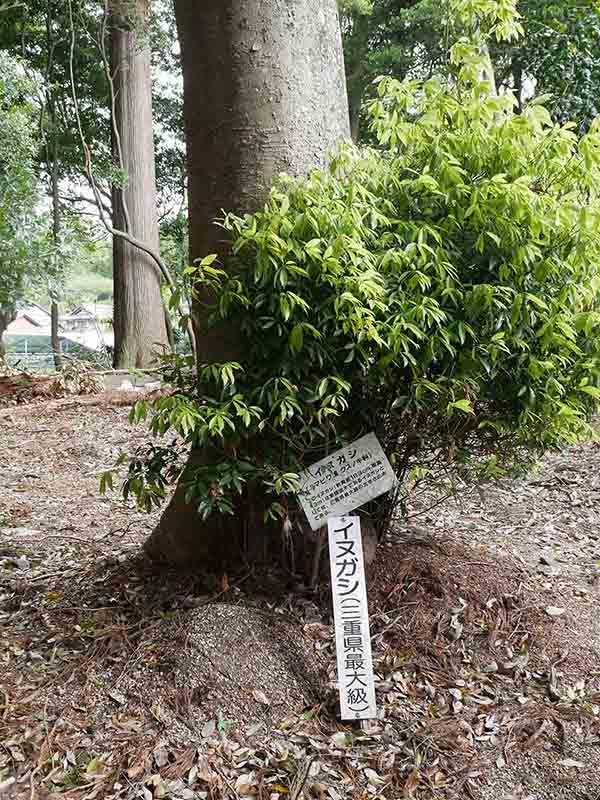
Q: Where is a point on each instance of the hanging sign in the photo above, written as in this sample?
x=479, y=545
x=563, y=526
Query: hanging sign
x=345, y=480
x=356, y=681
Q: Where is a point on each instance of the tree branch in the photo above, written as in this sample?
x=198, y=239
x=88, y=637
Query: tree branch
x=84, y=199
x=113, y=116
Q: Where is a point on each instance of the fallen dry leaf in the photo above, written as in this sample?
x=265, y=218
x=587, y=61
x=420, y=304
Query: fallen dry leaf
x=261, y=697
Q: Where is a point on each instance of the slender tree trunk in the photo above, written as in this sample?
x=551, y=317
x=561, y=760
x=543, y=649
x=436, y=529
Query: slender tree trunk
x=169, y=327
x=488, y=73
x=7, y=314
x=139, y=318
x=517, y=68
x=55, y=335
x=264, y=92
x=356, y=48
x=355, y=103
x=54, y=311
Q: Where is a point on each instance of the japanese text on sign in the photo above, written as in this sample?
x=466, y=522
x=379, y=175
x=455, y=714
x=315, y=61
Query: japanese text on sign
x=345, y=480
x=351, y=616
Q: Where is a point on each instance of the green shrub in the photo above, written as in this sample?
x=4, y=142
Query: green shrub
x=441, y=290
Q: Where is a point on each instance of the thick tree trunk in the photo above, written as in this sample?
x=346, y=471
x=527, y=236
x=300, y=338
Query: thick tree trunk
x=139, y=319
x=264, y=93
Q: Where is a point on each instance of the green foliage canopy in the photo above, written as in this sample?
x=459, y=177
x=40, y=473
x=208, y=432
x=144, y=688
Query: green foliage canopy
x=558, y=54
x=39, y=31
x=441, y=289
x=18, y=197
x=387, y=37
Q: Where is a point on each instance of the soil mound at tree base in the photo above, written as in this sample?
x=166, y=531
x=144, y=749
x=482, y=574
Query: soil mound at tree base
x=221, y=667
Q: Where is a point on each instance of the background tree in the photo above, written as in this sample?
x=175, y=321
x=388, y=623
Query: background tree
x=559, y=55
x=40, y=33
x=19, y=227
x=71, y=40
x=386, y=37
x=167, y=95
x=139, y=316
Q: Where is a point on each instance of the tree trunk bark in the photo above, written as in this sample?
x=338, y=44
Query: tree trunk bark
x=488, y=73
x=54, y=311
x=7, y=314
x=355, y=102
x=264, y=93
x=356, y=51
x=55, y=335
x=517, y=68
x=139, y=318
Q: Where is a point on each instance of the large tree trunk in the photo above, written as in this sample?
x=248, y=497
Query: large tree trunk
x=139, y=319
x=264, y=92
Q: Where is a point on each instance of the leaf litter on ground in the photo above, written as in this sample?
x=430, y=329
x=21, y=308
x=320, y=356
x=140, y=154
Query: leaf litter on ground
x=120, y=681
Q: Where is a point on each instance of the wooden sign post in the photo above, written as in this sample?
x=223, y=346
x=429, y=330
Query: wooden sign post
x=356, y=681
x=329, y=490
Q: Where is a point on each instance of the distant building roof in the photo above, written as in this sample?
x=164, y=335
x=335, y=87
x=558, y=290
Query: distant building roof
x=97, y=310
x=23, y=323
x=37, y=314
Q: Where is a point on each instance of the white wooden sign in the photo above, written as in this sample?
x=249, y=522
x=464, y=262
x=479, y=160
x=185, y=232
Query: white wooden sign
x=345, y=480
x=356, y=681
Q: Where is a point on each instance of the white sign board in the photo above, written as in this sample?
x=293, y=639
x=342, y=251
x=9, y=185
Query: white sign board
x=351, y=616
x=345, y=480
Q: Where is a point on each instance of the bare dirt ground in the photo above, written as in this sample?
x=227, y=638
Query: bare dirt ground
x=119, y=681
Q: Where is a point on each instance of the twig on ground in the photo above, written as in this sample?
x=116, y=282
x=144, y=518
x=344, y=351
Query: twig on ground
x=297, y=788
x=227, y=782
x=6, y=704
